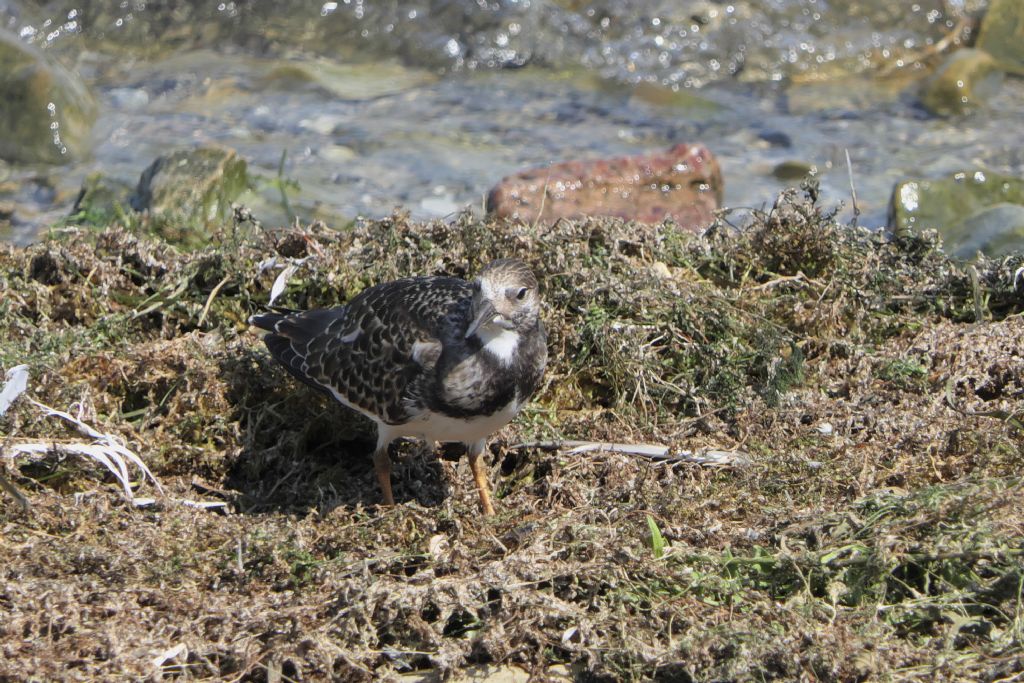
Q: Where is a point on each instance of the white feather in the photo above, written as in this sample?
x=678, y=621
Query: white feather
x=17, y=382
x=280, y=283
x=500, y=343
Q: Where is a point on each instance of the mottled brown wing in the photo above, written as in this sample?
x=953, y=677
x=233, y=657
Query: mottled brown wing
x=364, y=350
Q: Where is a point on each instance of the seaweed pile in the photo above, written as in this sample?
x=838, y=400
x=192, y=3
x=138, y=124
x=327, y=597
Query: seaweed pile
x=872, y=527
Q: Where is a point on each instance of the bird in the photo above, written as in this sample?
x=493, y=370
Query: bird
x=431, y=357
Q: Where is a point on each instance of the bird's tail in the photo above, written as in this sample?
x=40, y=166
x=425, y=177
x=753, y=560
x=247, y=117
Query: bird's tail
x=266, y=321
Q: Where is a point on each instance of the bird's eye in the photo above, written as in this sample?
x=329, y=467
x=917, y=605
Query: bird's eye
x=521, y=294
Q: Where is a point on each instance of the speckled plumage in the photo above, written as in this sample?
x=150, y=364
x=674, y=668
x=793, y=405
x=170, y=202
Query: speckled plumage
x=432, y=357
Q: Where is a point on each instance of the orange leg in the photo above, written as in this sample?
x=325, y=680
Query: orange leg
x=382, y=465
x=480, y=476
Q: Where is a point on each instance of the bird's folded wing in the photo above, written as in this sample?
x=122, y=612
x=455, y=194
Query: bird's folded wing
x=371, y=352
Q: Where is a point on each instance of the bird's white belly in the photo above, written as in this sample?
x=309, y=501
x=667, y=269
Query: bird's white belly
x=435, y=427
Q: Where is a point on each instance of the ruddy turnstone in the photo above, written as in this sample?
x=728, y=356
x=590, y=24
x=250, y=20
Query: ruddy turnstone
x=437, y=358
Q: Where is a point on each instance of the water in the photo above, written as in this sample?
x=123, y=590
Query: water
x=425, y=105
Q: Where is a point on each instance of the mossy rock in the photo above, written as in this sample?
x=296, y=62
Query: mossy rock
x=351, y=82
x=1002, y=34
x=965, y=81
x=101, y=200
x=794, y=171
x=194, y=187
x=682, y=99
x=946, y=204
x=46, y=111
x=995, y=231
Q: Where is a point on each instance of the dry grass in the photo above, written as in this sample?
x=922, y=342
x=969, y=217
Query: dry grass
x=876, y=533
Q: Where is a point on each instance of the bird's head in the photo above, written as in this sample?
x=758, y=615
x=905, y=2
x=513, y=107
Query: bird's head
x=505, y=298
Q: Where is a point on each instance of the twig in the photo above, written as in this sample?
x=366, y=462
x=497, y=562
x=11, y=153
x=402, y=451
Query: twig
x=15, y=493
x=954, y=37
x=158, y=301
x=1003, y=415
x=922, y=558
x=976, y=291
x=650, y=451
x=285, y=204
x=209, y=299
x=543, y=199
x=103, y=440
x=853, y=190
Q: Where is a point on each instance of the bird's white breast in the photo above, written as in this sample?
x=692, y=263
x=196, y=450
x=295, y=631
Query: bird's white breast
x=500, y=343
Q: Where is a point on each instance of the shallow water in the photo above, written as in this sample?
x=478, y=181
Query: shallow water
x=425, y=105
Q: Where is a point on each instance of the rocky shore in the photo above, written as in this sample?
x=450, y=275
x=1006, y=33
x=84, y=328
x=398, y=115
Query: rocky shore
x=58, y=108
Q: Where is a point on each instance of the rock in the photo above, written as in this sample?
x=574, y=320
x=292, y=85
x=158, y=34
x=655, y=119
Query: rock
x=191, y=187
x=197, y=185
x=683, y=183
x=964, y=81
x=1002, y=34
x=775, y=138
x=957, y=207
x=843, y=92
x=7, y=211
x=995, y=231
x=101, y=200
x=791, y=171
x=352, y=82
x=46, y=111
x=694, y=106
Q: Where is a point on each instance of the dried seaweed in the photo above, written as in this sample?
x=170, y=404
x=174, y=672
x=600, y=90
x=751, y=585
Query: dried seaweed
x=874, y=530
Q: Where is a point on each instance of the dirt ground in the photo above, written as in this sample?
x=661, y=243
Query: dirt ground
x=865, y=523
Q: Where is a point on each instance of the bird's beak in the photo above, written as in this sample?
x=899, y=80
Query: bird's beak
x=483, y=316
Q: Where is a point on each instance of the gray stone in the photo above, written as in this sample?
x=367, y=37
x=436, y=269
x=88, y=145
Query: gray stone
x=46, y=111
x=966, y=80
x=1002, y=34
